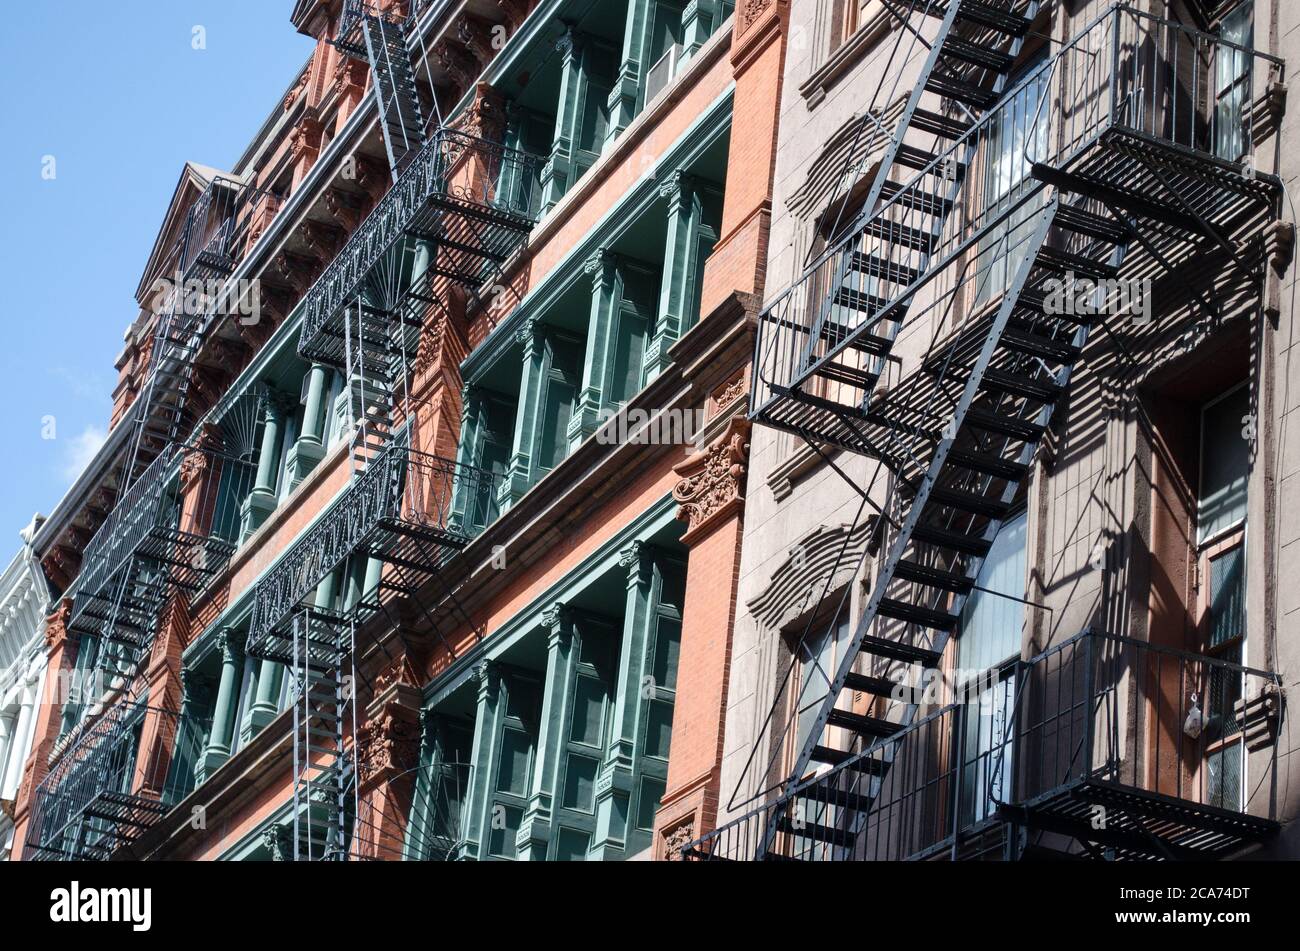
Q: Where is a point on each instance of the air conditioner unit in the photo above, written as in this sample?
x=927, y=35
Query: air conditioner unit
x=662, y=72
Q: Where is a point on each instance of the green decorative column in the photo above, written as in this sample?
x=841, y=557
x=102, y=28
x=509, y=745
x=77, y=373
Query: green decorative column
x=534, y=835
x=230, y=643
x=309, y=449
x=625, y=99
x=606, y=292
x=479, y=818
x=261, y=502
x=700, y=20
x=617, y=775
x=196, y=704
x=559, y=172
x=518, y=475
x=676, y=293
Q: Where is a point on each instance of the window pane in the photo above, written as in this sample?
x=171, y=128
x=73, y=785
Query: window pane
x=1225, y=465
x=1227, y=596
x=991, y=625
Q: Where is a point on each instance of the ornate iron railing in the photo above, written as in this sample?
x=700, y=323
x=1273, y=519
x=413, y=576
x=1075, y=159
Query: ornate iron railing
x=403, y=493
x=455, y=176
x=126, y=770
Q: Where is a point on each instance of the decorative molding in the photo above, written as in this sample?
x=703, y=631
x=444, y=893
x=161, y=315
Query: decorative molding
x=388, y=745
x=677, y=838
x=796, y=583
x=712, y=486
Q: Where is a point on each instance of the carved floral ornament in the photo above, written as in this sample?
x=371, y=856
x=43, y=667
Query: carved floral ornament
x=388, y=745
x=677, y=839
x=752, y=10
x=713, y=481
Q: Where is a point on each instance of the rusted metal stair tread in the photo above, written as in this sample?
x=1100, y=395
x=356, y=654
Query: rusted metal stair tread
x=988, y=464
x=915, y=614
x=893, y=650
x=962, y=542
x=862, y=724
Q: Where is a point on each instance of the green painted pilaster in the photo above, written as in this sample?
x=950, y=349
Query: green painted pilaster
x=617, y=776
x=478, y=816
x=700, y=20
x=230, y=643
x=558, y=174
x=261, y=502
x=309, y=449
x=625, y=99
x=606, y=294
x=534, y=835
x=681, y=264
x=519, y=471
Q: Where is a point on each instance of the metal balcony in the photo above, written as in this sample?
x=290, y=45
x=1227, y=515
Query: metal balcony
x=408, y=509
x=221, y=227
x=174, y=529
x=448, y=196
x=123, y=773
x=1099, y=721
x=1140, y=115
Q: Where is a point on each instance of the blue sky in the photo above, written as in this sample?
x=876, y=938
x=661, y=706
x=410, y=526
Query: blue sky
x=119, y=96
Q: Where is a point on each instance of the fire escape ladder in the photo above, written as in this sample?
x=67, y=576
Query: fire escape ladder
x=324, y=731
x=1002, y=376
x=382, y=45
x=916, y=186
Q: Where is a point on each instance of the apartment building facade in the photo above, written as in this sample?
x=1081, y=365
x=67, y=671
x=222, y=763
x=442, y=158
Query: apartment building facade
x=417, y=530
x=1018, y=556
x=24, y=603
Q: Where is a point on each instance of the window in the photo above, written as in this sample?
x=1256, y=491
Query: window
x=1016, y=133
x=988, y=645
x=848, y=16
x=816, y=657
x=1221, y=572
x=1232, y=83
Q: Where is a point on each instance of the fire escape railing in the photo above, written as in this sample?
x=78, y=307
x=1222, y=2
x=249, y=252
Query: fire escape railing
x=179, y=523
x=448, y=194
x=126, y=771
x=1140, y=720
x=1129, y=79
x=403, y=496
x=222, y=226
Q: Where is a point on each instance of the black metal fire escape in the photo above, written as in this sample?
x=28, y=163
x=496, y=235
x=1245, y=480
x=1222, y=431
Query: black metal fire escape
x=442, y=224
x=942, y=252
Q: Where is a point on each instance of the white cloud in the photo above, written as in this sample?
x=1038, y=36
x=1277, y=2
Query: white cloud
x=80, y=450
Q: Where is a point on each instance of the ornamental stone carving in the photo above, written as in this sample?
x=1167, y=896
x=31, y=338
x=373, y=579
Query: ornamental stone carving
x=388, y=745
x=713, y=480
